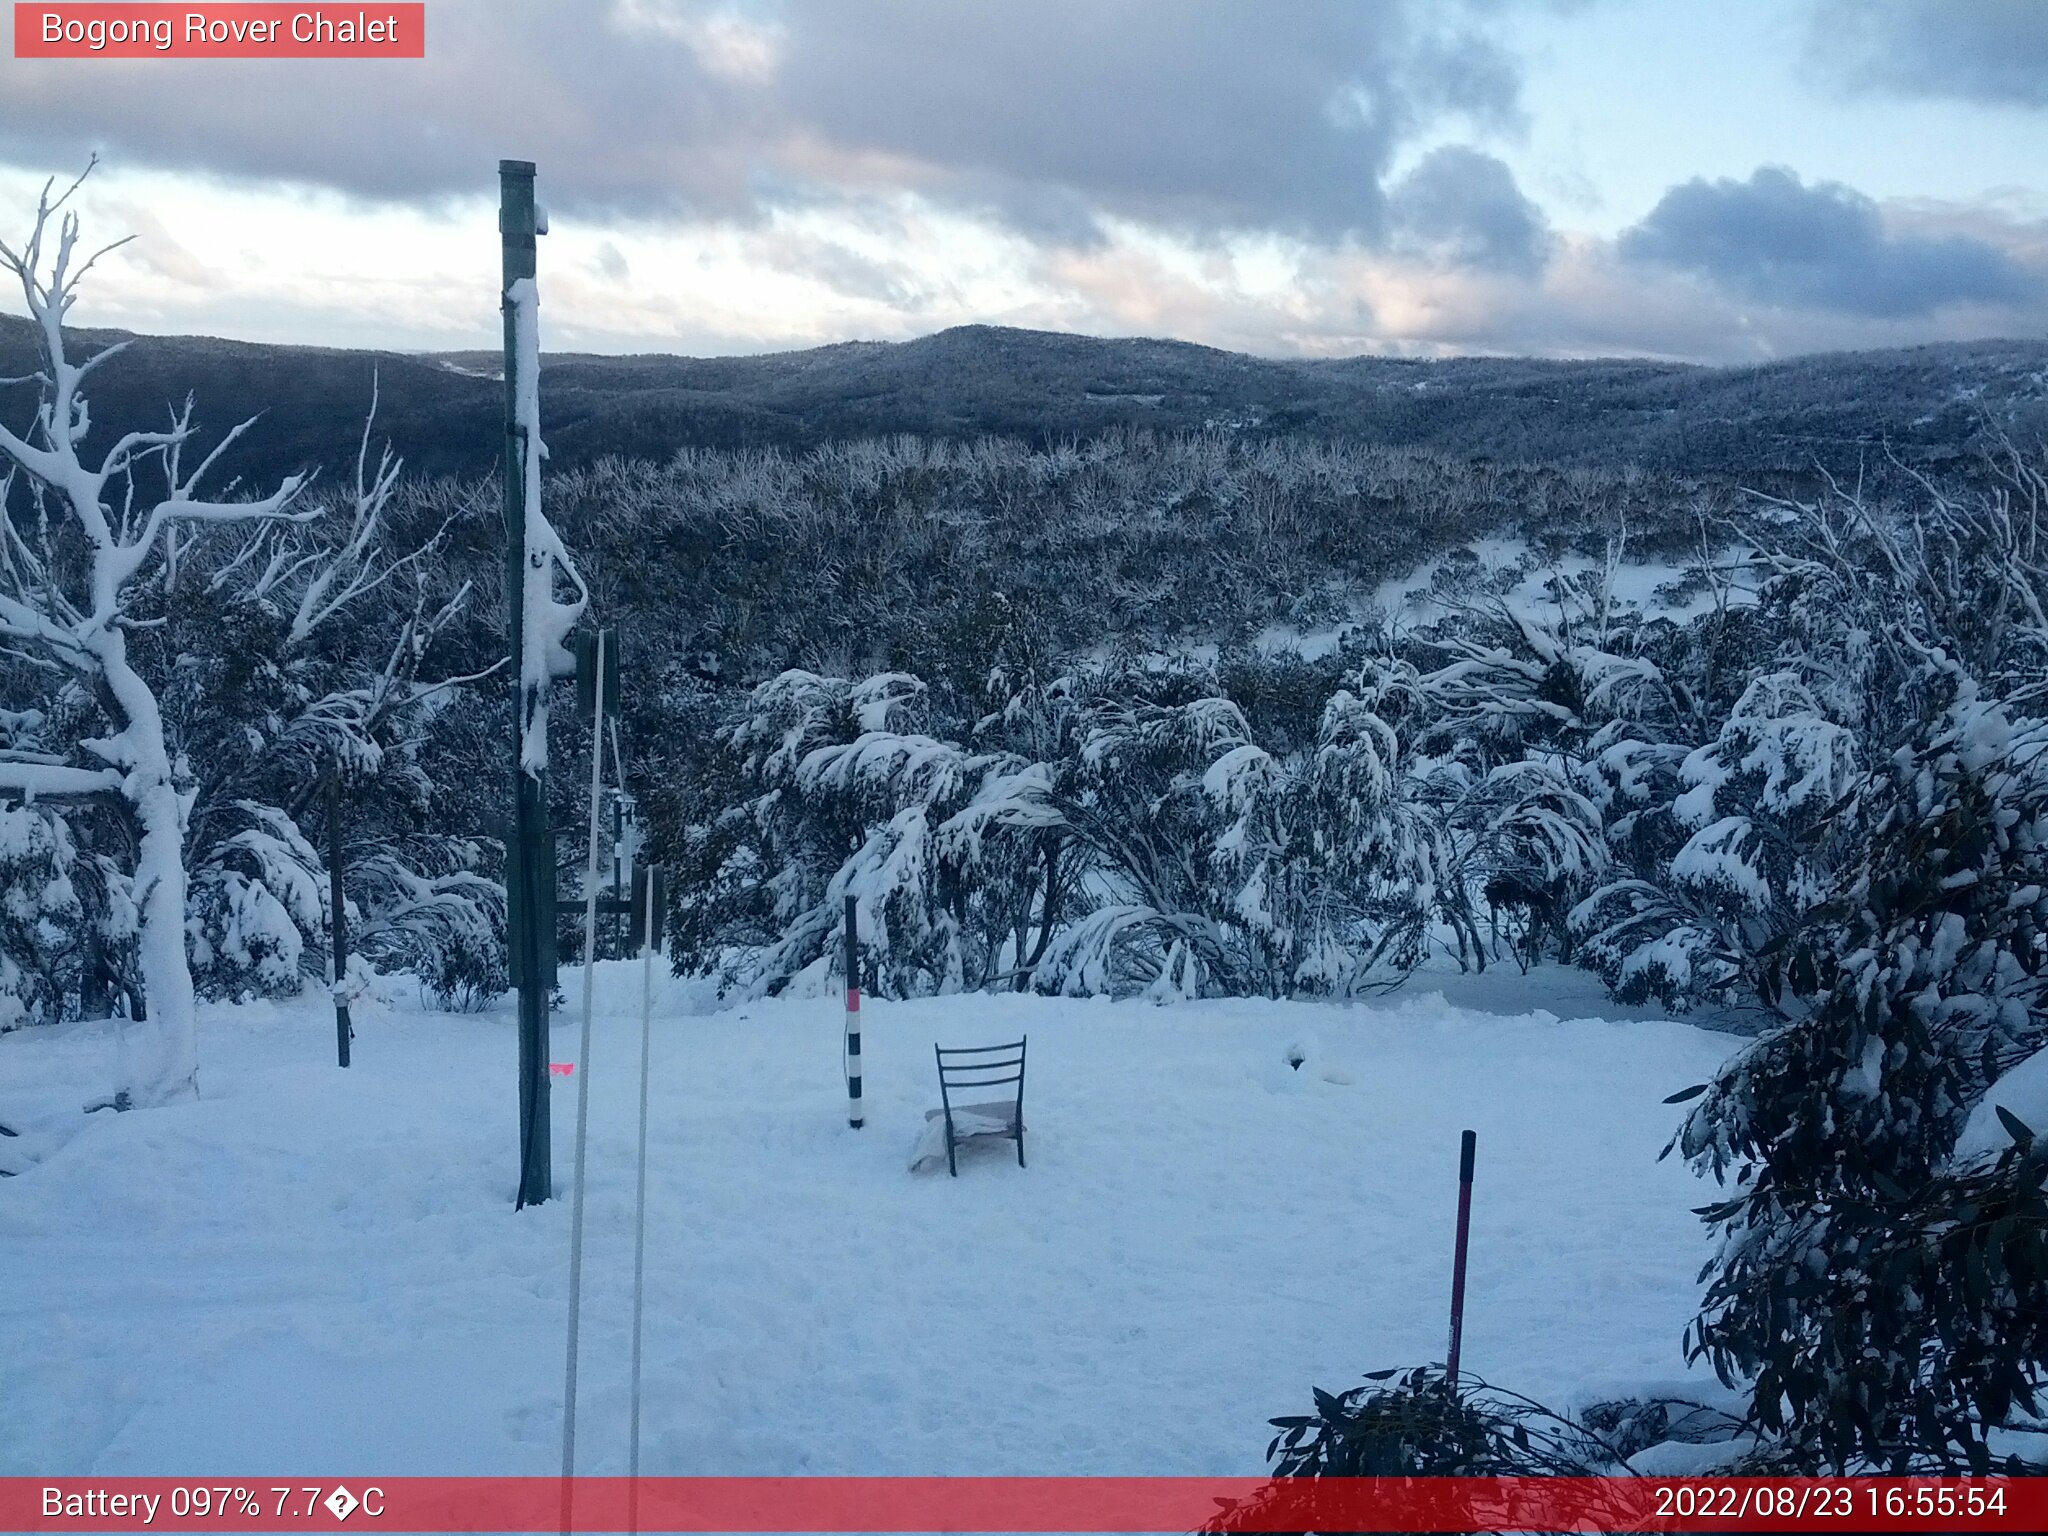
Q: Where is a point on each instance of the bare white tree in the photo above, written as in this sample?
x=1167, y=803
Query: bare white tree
x=71, y=612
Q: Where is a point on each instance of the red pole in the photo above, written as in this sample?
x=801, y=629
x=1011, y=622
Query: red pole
x=1465, y=1154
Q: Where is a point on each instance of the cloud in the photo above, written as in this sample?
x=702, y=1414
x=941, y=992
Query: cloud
x=621, y=116
x=838, y=267
x=156, y=250
x=1988, y=51
x=1465, y=205
x=746, y=174
x=1825, y=247
x=318, y=269
x=1203, y=115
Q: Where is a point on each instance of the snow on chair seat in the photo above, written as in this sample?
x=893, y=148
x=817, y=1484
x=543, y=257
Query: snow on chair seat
x=975, y=1066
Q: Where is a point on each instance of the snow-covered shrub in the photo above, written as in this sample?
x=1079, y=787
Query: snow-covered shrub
x=846, y=797
x=1416, y=1423
x=1123, y=949
x=1185, y=813
x=1552, y=744
x=1114, y=828
x=1272, y=871
x=257, y=922
x=1374, y=860
x=305, y=661
x=1495, y=682
x=1537, y=841
x=1851, y=1288
x=418, y=903
x=42, y=922
x=1882, y=1298
x=426, y=905
x=1766, y=809
x=1920, y=1328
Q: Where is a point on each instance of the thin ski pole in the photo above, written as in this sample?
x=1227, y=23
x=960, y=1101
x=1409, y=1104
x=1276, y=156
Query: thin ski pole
x=854, y=1116
x=1466, y=1149
x=583, y=1092
x=640, y=1200
x=337, y=924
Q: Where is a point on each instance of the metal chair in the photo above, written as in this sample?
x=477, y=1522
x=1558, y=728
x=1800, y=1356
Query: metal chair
x=980, y=1066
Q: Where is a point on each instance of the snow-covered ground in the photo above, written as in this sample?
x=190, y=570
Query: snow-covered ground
x=1406, y=600
x=1409, y=601
x=320, y=1271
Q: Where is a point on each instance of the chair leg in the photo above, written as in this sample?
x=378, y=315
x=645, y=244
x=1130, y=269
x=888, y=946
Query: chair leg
x=1020, y=1146
x=952, y=1167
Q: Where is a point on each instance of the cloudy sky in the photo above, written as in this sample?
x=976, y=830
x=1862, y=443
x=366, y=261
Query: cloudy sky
x=1718, y=180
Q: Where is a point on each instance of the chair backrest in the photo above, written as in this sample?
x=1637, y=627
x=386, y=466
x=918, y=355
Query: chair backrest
x=980, y=1066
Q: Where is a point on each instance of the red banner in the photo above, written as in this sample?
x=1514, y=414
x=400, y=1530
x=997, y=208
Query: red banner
x=215, y=31
x=1061, y=1504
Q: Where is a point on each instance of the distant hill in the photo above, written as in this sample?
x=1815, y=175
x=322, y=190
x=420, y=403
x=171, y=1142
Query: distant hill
x=1930, y=403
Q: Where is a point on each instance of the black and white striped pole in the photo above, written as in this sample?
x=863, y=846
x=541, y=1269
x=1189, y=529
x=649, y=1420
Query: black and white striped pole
x=854, y=1117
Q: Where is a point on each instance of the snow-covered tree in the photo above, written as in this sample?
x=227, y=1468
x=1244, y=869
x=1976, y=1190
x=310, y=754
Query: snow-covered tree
x=1768, y=808
x=1535, y=843
x=293, y=660
x=1881, y=1298
x=1835, y=1292
x=1121, y=831
x=849, y=798
x=71, y=569
x=1501, y=680
x=1154, y=787
x=429, y=904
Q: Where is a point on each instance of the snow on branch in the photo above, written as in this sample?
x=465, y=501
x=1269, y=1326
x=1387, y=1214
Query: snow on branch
x=34, y=781
x=120, y=545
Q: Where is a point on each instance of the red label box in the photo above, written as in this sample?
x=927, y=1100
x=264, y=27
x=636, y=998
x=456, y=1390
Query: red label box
x=214, y=31
x=1024, y=1504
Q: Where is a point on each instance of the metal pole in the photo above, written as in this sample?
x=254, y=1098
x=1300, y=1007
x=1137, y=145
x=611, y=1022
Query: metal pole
x=583, y=1082
x=1466, y=1149
x=529, y=852
x=337, y=922
x=640, y=1200
x=854, y=1116
x=624, y=931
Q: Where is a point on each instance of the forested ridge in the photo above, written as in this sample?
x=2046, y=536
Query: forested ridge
x=1931, y=403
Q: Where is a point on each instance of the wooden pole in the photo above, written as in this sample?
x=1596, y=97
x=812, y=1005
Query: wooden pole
x=1466, y=1148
